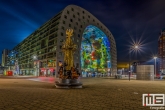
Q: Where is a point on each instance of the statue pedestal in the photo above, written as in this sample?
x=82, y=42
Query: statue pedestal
x=75, y=83
x=68, y=83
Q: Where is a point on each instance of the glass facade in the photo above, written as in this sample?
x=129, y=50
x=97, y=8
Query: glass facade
x=95, y=51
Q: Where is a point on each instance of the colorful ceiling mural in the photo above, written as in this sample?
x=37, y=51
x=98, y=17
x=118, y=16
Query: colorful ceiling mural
x=95, y=50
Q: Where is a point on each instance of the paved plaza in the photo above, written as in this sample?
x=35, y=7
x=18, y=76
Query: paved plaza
x=96, y=94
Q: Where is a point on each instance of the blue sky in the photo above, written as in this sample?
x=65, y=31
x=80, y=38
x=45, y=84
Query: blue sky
x=128, y=20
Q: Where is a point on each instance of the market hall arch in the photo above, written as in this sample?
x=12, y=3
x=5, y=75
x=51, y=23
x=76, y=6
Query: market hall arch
x=79, y=19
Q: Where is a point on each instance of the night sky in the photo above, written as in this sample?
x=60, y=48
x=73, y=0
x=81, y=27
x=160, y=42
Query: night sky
x=128, y=20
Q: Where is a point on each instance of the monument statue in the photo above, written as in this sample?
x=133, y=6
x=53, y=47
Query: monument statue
x=69, y=48
x=68, y=73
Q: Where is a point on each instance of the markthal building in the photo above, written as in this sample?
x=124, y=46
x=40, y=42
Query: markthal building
x=40, y=53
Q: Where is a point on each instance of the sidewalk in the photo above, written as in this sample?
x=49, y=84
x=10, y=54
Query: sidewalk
x=96, y=94
x=17, y=77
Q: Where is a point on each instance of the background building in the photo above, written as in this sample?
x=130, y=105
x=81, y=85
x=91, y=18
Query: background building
x=161, y=50
x=40, y=53
x=5, y=53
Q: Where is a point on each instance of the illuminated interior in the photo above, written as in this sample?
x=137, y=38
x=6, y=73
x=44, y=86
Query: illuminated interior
x=95, y=51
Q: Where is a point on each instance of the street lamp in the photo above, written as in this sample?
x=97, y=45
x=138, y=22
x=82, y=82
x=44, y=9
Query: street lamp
x=122, y=71
x=134, y=47
x=36, y=65
x=155, y=66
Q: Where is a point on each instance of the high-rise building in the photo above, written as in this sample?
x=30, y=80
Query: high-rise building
x=161, y=50
x=5, y=53
x=40, y=52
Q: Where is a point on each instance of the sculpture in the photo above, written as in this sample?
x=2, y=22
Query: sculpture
x=68, y=73
x=69, y=48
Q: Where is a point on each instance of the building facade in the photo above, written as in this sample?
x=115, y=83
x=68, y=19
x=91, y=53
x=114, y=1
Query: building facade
x=161, y=51
x=40, y=52
x=5, y=53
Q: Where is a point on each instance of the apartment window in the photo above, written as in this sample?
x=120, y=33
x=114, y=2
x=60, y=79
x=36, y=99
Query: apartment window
x=72, y=9
x=97, y=23
x=78, y=13
x=69, y=25
x=83, y=11
x=61, y=34
x=93, y=20
x=79, y=19
x=62, y=28
x=68, y=12
x=87, y=20
x=77, y=23
x=63, y=22
x=88, y=16
x=61, y=40
x=71, y=20
x=73, y=16
x=75, y=28
x=81, y=26
x=65, y=16
x=60, y=53
x=78, y=35
x=60, y=46
x=79, y=30
x=83, y=17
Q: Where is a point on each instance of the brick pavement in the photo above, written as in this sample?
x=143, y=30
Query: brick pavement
x=96, y=94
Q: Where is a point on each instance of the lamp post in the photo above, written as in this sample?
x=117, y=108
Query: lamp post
x=122, y=71
x=155, y=67
x=36, y=65
x=134, y=47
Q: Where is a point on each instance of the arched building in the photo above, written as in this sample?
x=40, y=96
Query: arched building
x=96, y=45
